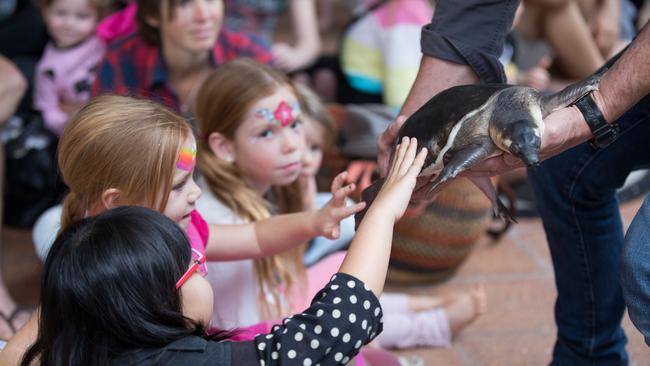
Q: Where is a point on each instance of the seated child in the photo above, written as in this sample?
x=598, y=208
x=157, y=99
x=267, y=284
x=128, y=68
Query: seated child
x=320, y=135
x=67, y=69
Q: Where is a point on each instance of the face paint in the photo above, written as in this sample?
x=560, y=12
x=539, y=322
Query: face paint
x=284, y=114
x=187, y=158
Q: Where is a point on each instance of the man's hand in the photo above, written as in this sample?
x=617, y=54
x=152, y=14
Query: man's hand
x=563, y=129
x=386, y=144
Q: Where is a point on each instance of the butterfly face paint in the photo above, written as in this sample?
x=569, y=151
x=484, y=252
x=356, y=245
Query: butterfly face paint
x=187, y=158
x=284, y=114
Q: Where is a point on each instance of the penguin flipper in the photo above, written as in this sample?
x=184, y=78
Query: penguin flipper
x=463, y=159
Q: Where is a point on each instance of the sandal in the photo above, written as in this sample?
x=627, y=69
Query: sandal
x=9, y=320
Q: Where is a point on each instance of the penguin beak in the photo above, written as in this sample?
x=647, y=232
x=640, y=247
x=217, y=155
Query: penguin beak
x=528, y=154
x=525, y=145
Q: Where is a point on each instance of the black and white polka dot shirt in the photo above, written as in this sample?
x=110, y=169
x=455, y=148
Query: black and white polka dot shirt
x=343, y=316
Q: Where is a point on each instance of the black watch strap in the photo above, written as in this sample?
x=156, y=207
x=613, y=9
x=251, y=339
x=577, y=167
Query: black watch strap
x=604, y=133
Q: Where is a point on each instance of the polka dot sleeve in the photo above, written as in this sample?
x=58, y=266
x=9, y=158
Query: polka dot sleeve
x=342, y=317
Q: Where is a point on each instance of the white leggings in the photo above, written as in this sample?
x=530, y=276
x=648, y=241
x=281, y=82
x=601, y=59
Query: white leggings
x=404, y=328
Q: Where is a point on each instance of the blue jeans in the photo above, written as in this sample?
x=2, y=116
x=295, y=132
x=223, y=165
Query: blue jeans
x=635, y=270
x=575, y=194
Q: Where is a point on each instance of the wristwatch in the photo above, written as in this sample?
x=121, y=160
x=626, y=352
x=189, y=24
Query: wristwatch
x=604, y=133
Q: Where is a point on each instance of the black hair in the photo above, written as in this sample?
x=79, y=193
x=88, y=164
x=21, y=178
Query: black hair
x=108, y=288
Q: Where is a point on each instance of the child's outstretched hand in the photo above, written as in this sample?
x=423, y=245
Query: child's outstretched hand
x=328, y=218
x=396, y=191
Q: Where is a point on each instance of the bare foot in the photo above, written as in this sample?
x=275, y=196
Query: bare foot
x=12, y=317
x=465, y=308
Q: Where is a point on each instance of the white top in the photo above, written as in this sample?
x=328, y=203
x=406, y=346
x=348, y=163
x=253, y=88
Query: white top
x=234, y=283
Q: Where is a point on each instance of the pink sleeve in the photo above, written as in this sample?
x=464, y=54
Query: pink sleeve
x=47, y=101
x=201, y=226
x=198, y=232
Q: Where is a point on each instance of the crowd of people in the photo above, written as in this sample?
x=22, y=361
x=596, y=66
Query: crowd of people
x=189, y=138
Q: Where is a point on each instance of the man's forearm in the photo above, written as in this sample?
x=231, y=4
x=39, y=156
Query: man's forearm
x=434, y=76
x=627, y=81
x=460, y=46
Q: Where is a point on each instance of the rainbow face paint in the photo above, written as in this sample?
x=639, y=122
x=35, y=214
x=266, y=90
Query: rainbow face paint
x=187, y=158
x=284, y=114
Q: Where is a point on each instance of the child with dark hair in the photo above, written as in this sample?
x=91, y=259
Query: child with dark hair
x=122, y=288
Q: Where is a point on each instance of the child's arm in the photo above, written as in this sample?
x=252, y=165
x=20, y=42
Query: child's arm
x=282, y=232
x=367, y=257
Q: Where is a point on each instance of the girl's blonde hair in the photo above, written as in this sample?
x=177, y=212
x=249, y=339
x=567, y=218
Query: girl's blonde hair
x=221, y=105
x=124, y=143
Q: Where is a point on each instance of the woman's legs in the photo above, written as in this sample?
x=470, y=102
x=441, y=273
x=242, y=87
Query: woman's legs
x=562, y=25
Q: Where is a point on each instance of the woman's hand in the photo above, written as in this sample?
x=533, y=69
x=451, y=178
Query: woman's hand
x=289, y=58
x=327, y=219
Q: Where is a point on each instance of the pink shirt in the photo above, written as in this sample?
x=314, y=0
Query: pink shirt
x=65, y=75
x=198, y=233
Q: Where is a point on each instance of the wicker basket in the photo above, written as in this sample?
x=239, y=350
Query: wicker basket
x=430, y=243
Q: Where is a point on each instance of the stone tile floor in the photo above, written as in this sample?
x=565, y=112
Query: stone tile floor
x=518, y=328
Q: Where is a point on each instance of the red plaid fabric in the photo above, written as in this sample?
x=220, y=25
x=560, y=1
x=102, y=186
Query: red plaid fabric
x=133, y=67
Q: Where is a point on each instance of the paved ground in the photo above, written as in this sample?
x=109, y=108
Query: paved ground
x=518, y=328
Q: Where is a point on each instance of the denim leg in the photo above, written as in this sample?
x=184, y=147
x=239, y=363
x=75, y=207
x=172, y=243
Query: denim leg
x=635, y=270
x=576, y=196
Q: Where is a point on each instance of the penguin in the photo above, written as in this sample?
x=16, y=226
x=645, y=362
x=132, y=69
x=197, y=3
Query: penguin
x=464, y=125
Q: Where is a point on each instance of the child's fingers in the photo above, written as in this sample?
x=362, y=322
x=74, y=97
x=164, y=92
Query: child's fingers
x=399, y=156
x=409, y=157
x=346, y=211
x=416, y=167
x=338, y=181
x=334, y=234
x=338, y=196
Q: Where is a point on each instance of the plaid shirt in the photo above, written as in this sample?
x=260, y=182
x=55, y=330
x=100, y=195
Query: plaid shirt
x=133, y=67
